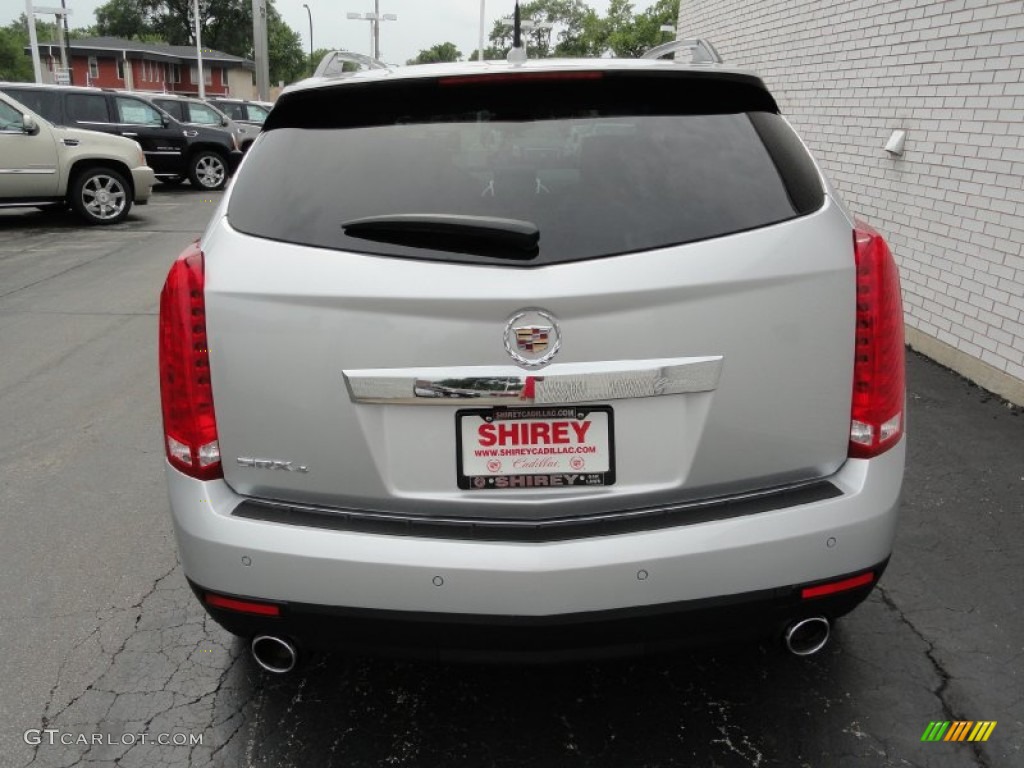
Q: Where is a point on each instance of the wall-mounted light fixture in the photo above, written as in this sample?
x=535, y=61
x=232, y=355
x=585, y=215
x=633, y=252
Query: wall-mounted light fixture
x=894, y=146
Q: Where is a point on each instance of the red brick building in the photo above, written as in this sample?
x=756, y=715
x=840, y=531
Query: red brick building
x=110, y=62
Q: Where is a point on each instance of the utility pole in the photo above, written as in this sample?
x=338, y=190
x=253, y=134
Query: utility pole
x=199, y=50
x=260, y=48
x=66, y=51
x=33, y=41
x=480, y=50
x=376, y=29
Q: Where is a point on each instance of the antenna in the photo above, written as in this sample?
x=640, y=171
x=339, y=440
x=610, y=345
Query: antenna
x=518, y=53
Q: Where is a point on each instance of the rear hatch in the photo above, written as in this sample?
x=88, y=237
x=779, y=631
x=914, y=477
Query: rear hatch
x=529, y=294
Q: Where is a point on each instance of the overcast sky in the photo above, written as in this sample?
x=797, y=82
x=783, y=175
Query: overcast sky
x=421, y=23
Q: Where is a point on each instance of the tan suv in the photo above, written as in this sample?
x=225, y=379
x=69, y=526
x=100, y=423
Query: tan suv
x=42, y=165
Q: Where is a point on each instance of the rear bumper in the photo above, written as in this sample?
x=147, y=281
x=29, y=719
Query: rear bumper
x=736, y=558
x=531, y=639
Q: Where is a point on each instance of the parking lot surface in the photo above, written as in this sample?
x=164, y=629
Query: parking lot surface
x=104, y=646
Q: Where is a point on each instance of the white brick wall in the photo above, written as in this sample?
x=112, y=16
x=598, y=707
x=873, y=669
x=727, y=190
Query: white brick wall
x=847, y=73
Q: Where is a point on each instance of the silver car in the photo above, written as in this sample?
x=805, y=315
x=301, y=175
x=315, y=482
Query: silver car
x=531, y=361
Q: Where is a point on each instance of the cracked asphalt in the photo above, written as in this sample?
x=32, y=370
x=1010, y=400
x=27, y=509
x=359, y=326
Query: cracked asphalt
x=102, y=639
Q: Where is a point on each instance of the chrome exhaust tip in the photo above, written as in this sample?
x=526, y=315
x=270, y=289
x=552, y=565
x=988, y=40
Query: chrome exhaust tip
x=274, y=654
x=807, y=636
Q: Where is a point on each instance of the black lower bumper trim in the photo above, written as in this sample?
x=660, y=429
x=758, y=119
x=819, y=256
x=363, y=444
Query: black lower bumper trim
x=561, y=529
x=472, y=637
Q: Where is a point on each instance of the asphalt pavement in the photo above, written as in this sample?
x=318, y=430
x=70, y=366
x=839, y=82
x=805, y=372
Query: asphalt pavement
x=104, y=650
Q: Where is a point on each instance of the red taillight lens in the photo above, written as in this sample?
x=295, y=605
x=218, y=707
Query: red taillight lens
x=878, y=371
x=190, y=426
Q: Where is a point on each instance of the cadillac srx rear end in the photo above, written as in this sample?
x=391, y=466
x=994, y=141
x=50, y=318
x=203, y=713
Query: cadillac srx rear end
x=529, y=361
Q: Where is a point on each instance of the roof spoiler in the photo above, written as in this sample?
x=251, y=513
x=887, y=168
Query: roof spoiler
x=701, y=51
x=341, y=63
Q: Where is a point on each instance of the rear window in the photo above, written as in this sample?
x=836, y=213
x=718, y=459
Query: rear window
x=44, y=103
x=234, y=111
x=601, y=166
x=256, y=113
x=171, y=107
x=87, y=108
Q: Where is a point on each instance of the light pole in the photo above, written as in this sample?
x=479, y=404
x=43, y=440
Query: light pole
x=199, y=52
x=312, y=64
x=480, y=50
x=375, y=19
x=62, y=15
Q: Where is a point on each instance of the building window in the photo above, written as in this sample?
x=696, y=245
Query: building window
x=120, y=69
x=174, y=75
x=94, y=67
x=207, y=75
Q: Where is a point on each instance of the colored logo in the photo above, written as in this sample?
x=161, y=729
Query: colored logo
x=532, y=337
x=959, y=730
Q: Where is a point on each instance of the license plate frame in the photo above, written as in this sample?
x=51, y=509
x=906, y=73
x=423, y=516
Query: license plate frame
x=476, y=475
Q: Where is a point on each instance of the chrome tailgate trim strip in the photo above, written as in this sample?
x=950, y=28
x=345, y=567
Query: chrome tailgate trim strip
x=557, y=384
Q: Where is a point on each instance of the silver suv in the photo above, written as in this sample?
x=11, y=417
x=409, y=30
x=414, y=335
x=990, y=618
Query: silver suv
x=532, y=359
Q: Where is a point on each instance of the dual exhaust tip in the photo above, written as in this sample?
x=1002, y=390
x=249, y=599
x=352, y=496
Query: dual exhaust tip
x=274, y=654
x=806, y=637
x=280, y=656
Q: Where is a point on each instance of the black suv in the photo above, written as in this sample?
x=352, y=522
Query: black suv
x=207, y=156
x=195, y=112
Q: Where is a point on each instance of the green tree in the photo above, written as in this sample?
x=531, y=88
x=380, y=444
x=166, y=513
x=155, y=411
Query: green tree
x=14, y=64
x=629, y=35
x=130, y=19
x=437, y=53
x=288, y=62
x=568, y=28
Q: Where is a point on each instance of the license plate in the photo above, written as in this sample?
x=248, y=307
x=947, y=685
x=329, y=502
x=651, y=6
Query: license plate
x=555, y=447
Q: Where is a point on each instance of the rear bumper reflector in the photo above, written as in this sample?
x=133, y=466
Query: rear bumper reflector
x=241, y=606
x=838, y=586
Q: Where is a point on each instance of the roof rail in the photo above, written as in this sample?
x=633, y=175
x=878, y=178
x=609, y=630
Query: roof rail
x=338, y=63
x=701, y=51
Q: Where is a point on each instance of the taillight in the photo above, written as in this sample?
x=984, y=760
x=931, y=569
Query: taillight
x=878, y=371
x=190, y=426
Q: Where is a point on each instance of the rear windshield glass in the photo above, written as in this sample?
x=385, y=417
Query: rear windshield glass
x=43, y=103
x=595, y=179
